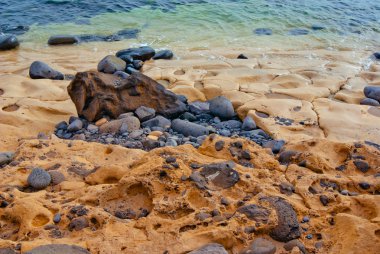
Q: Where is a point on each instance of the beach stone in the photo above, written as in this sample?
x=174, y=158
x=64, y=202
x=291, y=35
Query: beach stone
x=230, y=124
x=78, y=224
x=39, y=179
x=212, y=248
x=222, y=107
x=136, y=134
x=163, y=54
x=125, y=115
x=362, y=166
x=223, y=174
x=376, y=55
x=274, y=145
x=287, y=226
x=58, y=249
x=263, y=31
x=8, y=41
x=188, y=128
x=287, y=157
x=63, y=39
x=261, y=246
x=130, y=69
x=369, y=102
x=40, y=70
x=130, y=123
x=56, y=177
x=199, y=107
x=88, y=89
x=76, y=125
x=248, y=124
x=242, y=56
x=372, y=92
x=61, y=125
x=324, y=200
x=92, y=128
x=182, y=98
x=219, y=145
x=145, y=113
x=142, y=53
x=364, y=185
x=121, y=74
x=298, y=31
x=111, y=64
x=295, y=243
x=6, y=157
x=7, y=251
x=137, y=64
x=255, y=212
x=158, y=121
x=317, y=27
x=188, y=116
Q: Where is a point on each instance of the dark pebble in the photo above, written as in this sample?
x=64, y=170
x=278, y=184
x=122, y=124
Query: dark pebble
x=324, y=200
x=163, y=54
x=364, y=185
x=362, y=166
x=8, y=42
x=242, y=56
x=219, y=145
x=57, y=218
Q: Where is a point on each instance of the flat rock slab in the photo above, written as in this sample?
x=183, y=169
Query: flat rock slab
x=98, y=94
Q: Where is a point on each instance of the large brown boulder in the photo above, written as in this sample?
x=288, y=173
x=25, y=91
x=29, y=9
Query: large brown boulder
x=98, y=94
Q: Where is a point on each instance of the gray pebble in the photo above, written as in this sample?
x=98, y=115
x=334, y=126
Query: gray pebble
x=39, y=178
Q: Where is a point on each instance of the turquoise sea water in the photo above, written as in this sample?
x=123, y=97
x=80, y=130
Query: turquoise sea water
x=347, y=24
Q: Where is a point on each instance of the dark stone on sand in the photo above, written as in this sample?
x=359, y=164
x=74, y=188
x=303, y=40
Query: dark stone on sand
x=224, y=176
x=40, y=70
x=8, y=42
x=362, y=166
x=188, y=128
x=369, y=102
x=286, y=188
x=6, y=158
x=255, y=212
x=298, y=31
x=324, y=200
x=129, y=123
x=261, y=246
x=58, y=249
x=128, y=214
x=76, y=125
x=78, y=224
x=137, y=64
x=248, y=124
x=202, y=216
x=263, y=31
x=199, y=107
x=287, y=226
x=376, y=55
x=88, y=89
x=317, y=27
x=63, y=39
x=188, y=116
x=364, y=185
x=242, y=56
x=170, y=159
x=287, y=157
x=39, y=179
x=163, y=54
x=61, y=125
x=230, y=124
x=57, y=218
x=246, y=155
x=295, y=243
x=219, y=145
x=121, y=74
x=372, y=92
x=212, y=248
x=158, y=121
x=111, y=64
x=145, y=113
x=222, y=107
x=182, y=98
x=274, y=145
x=143, y=53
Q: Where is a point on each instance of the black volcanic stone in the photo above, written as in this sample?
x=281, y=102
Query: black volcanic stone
x=163, y=54
x=242, y=56
x=63, y=39
x=8, y=42
x=40, y=70
x=142, y=53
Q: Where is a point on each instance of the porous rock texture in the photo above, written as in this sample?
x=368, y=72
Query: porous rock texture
x=97, y=94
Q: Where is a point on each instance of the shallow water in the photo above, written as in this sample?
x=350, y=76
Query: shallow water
x=349, y=24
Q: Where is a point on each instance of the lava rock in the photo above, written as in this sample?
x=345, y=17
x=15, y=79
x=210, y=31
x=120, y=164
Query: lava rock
x=274, y=145
x=76, y=125
x=8, y=42
x=40, y=70
x=131, y=123
x=58, y=249
x=287, y=227
x=88, y=89
x=142, y=53
x=372, y=92
x=369, y=102
x=212, y=248
x=163, y=54
x=145, y=113
x=188, y=128
x=222, y=107
x=6, y=157
x=57, y=218
x=111, y=64
x=182, y=98
x=248, y=124
x=39, y=179
x=63, y=39
x=158, y=121
x=263, y=31
x=261, y=246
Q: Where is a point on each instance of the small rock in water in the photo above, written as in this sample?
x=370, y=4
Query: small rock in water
x=8, y=42
x=242, y=56
x=317, y=27
x=63, y=39
x=372, y=92
x=376, y=55
x=261, y=246
x=39, y=179
x=6, y=157
x=163, y=54
x=222, y=107
x=76, y=125
x=263, y=31
x=212, y=248
x=188, y=128
x=143, y=53
x=369, y=102
x=158, y=121
x=111, y=64
x=248, y=124
x=40, y=70
x=145, y=113
x=298, y=31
